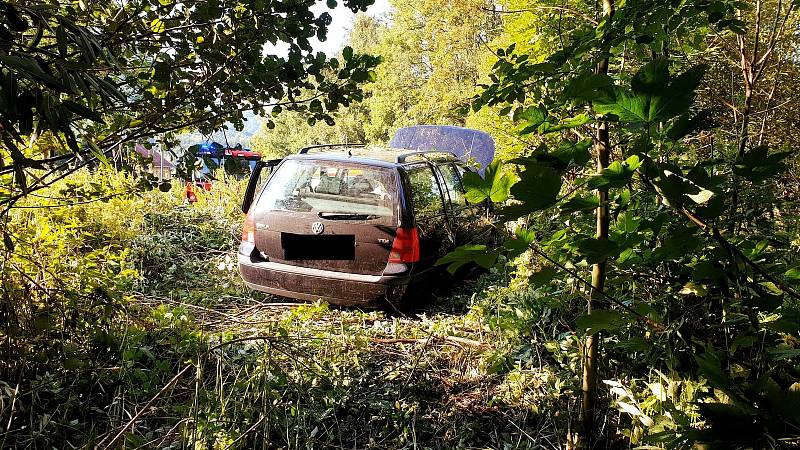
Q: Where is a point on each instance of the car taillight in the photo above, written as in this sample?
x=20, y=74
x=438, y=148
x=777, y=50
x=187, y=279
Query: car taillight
x=249, y=228
x=405, y=248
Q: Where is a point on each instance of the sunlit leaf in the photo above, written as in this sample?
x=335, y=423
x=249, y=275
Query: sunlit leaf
x=701, y=197
x=494, y=185
x=692, y=288
x=157, y=26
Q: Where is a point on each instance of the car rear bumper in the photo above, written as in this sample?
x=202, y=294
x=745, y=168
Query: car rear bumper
x=309, y=284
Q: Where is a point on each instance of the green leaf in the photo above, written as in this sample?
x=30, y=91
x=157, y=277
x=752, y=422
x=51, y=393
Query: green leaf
x=29, y=68
x=707, y=270
x=573, y=153
x=627, y=223
x=98, y=153
x=678, y=97
x=727, y=417
x=701, y=197
x=687, y=124
x=616, y=175
x=793, y=274
x=676, y=188
x=710, y=367
x=783, y=325
x=478, y=254
x=157, y=26
x=543, y=276
x=758, y=165
x=523, y=238
x=597, y=250
x=537, y=189
x=677, y=244
x=347, y=53
x=588, y=87
x=566, y=124
x=634, y=344
x=600, y=320
x=777, y=354
x=655, y=96
x=692, y=288
x=162, y=72
x=533, y=120
x=653, y=78
x=577, y=204
x=8, y=242
x=494, y=185
x=82, y=111
x=626, y=106
x=567, y=154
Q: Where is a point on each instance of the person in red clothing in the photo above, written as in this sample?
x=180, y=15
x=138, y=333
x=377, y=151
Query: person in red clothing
x=191, y=197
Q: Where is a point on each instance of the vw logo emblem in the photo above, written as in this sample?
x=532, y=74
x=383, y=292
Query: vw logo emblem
x=317, y=227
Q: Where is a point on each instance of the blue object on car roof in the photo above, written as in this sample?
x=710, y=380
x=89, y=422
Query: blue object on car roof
x=212, y=149
x=466, y=143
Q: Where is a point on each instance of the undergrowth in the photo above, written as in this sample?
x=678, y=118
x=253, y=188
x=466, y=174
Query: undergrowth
x=127, y=325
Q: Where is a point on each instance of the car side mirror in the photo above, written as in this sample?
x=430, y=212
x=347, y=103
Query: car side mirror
x=252, y=184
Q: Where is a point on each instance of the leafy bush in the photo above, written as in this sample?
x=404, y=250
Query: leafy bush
x=135, y=300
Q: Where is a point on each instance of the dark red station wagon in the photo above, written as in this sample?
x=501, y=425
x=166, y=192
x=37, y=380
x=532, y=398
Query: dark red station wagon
x=354, y=226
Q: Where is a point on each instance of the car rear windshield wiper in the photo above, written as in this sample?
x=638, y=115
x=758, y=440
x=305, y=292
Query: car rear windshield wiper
x=347, y=216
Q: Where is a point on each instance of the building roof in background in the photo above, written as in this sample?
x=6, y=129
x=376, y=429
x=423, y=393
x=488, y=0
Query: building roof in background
x=158, y=161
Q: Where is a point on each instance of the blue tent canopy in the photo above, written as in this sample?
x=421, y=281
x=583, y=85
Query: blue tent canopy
x=464, y=142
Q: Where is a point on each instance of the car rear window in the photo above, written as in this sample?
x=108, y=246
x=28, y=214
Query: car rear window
x=333, y=190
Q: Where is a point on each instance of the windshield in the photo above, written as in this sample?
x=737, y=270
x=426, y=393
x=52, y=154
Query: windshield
x=332, y=190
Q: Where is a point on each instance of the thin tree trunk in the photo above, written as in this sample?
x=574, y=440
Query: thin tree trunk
x=746, y=110
x=748, y=78
x=768, y=106
x=602, y=147
x=752, y=69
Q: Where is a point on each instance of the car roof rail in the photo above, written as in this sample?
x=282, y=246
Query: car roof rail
x=305, y=150
x=423, y=154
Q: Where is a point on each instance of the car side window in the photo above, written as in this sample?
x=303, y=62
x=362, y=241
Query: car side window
x=462, y=170
x=426, y=192
x=452, y=182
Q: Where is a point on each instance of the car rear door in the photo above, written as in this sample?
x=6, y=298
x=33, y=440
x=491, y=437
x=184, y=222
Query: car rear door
x=428, y=204
x=480, y=226
x=461, y=213
x=330, y=215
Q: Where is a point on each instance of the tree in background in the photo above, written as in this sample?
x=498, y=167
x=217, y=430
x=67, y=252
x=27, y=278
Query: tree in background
x=751, y=86
x=97, y=75
x=431, y=52
x=535, y=28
